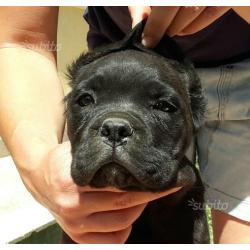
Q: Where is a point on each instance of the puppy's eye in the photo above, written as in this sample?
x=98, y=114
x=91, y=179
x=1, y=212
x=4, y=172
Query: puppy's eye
x=85, y=100
x=165, y=106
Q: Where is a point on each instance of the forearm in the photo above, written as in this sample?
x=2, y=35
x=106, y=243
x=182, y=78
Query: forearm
x=31, y=107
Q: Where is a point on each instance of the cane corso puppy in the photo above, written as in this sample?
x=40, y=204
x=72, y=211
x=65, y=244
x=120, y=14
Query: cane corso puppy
x=132, y=114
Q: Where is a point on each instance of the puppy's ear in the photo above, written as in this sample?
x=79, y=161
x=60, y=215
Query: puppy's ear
x=167, y=47
x=89, y=57
x=197, y=100
x=130, y=41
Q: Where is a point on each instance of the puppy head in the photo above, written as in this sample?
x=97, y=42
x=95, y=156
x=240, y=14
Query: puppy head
x=131, y=114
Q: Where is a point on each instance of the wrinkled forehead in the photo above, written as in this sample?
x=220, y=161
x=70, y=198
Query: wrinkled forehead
x=130, y=71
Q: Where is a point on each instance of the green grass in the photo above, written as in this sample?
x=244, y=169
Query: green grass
x=209, y=219
x=48, y=235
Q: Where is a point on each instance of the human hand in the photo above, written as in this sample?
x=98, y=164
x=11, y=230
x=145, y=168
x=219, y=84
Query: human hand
x=86, y=214
x=173, y=20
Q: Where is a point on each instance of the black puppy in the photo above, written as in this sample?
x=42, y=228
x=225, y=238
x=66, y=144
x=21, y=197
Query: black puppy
x=132, y=115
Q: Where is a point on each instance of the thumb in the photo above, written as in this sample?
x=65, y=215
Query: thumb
x=138, y=13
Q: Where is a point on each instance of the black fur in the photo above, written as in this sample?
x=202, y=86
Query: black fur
x=156, y=95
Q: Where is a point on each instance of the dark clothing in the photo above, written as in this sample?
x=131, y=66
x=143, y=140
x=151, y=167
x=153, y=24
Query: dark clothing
x=224, y=41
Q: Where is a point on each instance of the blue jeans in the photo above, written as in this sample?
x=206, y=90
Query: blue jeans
x=223, y=142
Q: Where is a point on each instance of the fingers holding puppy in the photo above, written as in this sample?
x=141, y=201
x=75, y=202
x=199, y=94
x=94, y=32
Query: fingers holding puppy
x=173, y=20
x=102, y=216
x=102, y=222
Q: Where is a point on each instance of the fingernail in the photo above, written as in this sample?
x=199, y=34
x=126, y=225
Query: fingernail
x=147, y=42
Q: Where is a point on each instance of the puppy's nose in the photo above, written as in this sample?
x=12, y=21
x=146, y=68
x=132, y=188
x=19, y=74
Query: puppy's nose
x=116, y=130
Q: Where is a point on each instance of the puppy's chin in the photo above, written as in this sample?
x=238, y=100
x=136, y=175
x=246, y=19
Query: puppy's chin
x=117, y=176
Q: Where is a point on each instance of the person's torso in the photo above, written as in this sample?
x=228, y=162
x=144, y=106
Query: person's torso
x=225, y=40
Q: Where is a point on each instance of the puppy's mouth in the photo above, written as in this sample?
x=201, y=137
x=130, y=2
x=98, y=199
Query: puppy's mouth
x=115, y=175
